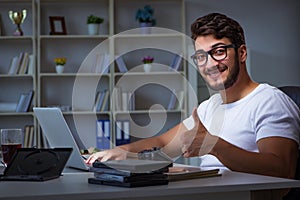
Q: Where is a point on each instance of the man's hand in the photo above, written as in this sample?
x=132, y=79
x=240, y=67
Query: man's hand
x=197, y=141
x=111, y=154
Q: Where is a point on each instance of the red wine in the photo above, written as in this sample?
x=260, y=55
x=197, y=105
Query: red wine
x=8, y=151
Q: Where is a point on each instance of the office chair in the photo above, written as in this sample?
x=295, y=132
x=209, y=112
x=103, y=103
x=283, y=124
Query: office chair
x=294, y=93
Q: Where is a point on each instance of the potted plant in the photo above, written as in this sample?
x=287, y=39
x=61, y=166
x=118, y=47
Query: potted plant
x=60, y=62
x=147, y=60
x=145, y=17
x=93, y=24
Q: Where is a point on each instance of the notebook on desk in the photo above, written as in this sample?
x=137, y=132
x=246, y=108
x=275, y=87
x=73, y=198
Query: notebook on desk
x=58, y=134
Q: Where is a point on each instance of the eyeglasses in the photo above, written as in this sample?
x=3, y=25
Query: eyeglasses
x=217, y=53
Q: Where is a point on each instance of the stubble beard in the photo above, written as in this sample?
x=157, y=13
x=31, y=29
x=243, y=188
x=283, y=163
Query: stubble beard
x=230, y=80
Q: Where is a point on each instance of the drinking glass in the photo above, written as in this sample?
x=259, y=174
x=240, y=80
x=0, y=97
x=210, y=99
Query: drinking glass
x=11, y=139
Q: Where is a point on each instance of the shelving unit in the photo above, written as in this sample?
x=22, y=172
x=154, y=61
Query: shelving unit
x=75, y=90
x=11, y=46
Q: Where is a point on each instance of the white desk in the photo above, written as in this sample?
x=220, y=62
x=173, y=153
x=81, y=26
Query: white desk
x=231, y=185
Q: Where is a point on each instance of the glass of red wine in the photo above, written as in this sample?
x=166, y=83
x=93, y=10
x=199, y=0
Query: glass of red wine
x=11, y=139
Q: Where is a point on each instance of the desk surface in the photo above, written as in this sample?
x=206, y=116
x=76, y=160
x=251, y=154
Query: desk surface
x=75, y=186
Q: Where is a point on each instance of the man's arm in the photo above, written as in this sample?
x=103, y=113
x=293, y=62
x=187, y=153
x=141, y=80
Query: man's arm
x=277, y=156
x=169, y=141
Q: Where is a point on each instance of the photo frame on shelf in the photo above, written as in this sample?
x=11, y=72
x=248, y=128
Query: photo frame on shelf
x=57, y=25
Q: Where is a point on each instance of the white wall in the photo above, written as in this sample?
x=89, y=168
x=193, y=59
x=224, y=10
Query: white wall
x=272, y=33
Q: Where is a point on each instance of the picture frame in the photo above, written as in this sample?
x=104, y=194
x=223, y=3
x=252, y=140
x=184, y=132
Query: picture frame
x=57, y=25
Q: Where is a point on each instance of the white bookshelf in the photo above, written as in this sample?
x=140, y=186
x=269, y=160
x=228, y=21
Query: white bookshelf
x=13, y=85
x=75, y=89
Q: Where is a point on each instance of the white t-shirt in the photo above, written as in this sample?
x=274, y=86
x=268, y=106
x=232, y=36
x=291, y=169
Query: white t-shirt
x=265, y=112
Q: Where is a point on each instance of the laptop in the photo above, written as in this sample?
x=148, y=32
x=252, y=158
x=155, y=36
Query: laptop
x=58, y=134
x=32, y=164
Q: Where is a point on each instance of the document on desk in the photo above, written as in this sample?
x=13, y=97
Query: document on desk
x=178, y=173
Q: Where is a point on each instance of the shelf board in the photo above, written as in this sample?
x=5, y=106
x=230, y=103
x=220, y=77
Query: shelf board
x=16, y=37
x=146, y=112
x=86, y=113
x=49, y=37
x=73, y=75
x=16, y=76
x=158, y=73
x=16, y=114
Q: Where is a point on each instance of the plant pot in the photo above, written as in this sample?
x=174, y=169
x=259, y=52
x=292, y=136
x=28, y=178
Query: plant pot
x=59, y=69
x=145, y=27
x=147, y=67
x=93, y=29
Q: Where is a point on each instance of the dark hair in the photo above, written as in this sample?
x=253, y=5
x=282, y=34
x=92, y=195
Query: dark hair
x=220, y=26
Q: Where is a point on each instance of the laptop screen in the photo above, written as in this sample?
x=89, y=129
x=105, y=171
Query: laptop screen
x=58, y=134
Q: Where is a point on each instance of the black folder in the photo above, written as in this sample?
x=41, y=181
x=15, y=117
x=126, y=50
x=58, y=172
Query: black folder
x=32, y=164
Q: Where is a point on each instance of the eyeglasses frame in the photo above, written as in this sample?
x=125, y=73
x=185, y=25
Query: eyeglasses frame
x=210, y=53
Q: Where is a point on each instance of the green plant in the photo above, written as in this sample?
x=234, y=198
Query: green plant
x=145, y=15
x=92, y=19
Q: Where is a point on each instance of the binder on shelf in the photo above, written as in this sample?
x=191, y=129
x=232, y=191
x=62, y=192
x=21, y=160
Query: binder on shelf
x=121, y=64
x=122, y=132
x=103, y=134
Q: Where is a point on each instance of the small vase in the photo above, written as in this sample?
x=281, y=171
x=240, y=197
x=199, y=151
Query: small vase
x=147, y=67
x=145, y=27
x=93, y=29
x=59, y=69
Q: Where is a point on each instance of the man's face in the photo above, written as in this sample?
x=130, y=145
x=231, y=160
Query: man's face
x=219, y=75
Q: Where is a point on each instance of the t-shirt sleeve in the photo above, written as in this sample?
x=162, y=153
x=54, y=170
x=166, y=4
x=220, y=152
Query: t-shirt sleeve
x=189, y=122
x=277, y=116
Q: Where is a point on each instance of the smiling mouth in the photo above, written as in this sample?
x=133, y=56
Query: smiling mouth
x=215, y=72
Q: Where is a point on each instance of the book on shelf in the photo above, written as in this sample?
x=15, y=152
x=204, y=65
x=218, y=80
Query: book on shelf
x=117, y=98
x=8, y=106
x=30, y=69
x=172, y=101
x=29, y=137
x=180, y=100
x=121, y=64
x=20, y=64
x=122, y=132
x=14, y=65
x=104, y=106
x=101, y=101
x=24, y=102
x=24, y=63
x=176, y=62
x=128, y=101
x=102, y=63
x=103, y=134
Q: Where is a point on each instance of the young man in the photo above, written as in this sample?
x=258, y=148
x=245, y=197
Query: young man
x=246, y=126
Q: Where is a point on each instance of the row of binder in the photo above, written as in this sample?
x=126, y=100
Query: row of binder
x=103, y=139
